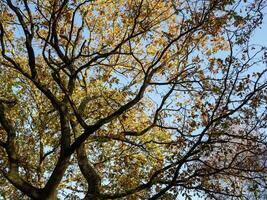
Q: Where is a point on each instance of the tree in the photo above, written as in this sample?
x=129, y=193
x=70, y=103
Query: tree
x=132, y=99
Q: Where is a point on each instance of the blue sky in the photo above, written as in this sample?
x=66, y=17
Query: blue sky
x=260, y=35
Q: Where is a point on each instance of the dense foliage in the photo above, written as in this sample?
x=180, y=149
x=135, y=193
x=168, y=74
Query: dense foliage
x=132, y=99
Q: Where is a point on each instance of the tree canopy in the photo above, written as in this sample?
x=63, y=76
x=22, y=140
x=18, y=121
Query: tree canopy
x=132, y=99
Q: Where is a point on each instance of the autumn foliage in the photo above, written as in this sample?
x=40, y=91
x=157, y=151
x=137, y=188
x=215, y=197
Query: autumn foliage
x=132, y=99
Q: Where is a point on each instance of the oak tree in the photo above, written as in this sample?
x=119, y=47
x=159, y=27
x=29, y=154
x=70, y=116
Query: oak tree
x=132, y=99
